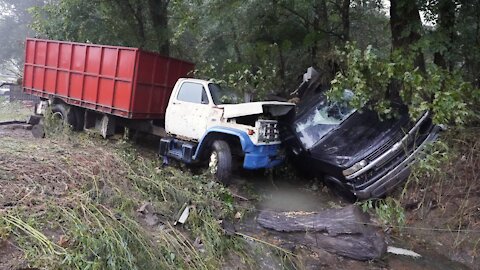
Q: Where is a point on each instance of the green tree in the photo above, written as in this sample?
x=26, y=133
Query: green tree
x=141, y=23
x=14, y=27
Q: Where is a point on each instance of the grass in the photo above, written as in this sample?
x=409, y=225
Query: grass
x=13, y=110
x=443, y=192
x=84, y=194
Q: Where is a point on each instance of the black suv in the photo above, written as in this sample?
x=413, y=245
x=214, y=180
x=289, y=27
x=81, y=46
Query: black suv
x=355, y=152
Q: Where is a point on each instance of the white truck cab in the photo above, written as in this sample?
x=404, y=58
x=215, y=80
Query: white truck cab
x=201, y=127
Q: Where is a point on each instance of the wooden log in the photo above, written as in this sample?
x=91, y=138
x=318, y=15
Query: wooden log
x=347, y=231
x=19, y=126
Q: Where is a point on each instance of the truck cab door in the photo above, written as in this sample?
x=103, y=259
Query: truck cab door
x=187, y=115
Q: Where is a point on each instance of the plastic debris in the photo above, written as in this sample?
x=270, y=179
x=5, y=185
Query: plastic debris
x=402, y=251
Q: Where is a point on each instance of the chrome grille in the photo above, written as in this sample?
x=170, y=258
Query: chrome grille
x=391, y=141
x=267, y=130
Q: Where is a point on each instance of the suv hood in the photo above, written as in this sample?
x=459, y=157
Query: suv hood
x=358, y=136
x=275, y=108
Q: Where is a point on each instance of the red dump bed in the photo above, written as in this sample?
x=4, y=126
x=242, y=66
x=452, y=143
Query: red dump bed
x=126, y=82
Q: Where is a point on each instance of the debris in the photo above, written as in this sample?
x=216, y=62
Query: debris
x=185, y=212
x=238, y=215
x=198, y=244
x=402, y=251
x=34, y=119
x=38, y=131
x=63, y=241
x=152, y=219
x=145, y=208
x=240, y=197
x=228, y=227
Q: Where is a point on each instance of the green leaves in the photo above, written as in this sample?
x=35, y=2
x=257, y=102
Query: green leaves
x=389, y=211
x=121, y=23
x=445, y=93
x=244, y=79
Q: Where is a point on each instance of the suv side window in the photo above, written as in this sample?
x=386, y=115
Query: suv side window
x=192, y=92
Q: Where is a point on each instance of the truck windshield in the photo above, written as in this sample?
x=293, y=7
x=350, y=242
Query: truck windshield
x=221, y=95
x=321, y=118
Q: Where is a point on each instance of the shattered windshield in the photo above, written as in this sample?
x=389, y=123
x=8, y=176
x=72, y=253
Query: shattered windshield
x=222, y=95
x=321, y=118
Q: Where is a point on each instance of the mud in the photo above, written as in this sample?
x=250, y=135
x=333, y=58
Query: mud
x=289, y=193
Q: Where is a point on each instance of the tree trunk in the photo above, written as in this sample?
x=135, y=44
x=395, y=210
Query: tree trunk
x=136, y=13
x=281, y=71
x=346, y=231
x=320, y=22
x=406, y=28
x=345, y=13
x=446, y=29
x=469, y=29
x=159, y=16
x=236, y=43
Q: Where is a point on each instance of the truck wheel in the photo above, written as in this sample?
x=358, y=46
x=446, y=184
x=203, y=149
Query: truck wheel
x=220, y=162
x=79, y=118
x=338, y=189
x=65, y=113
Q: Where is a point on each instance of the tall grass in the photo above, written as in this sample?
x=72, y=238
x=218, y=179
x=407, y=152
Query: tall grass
x=94, y=223
x=10, y=111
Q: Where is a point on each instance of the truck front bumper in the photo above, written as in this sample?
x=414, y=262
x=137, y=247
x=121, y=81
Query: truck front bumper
x=263, y=157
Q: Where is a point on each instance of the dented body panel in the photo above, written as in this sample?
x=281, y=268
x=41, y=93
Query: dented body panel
x=356, y=152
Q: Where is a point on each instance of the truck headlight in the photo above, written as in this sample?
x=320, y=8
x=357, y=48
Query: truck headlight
x=355, y=168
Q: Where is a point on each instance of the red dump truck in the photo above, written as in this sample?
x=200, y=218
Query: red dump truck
x=101, y=87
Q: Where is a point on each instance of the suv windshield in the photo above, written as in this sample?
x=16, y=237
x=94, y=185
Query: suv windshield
x=222, y=96
x=321, y=118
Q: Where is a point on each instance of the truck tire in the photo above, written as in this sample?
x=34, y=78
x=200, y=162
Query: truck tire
x=79, y=118
x=65, y=113
x=220, y=161
x=339, y=190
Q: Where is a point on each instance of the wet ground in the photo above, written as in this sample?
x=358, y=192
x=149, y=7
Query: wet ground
x=283, y=191
x=280, y=193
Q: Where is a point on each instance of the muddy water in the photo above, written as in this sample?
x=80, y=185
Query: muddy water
x=289, y=194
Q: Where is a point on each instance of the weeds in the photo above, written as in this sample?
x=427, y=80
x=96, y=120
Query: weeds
x=87, y=196
x=54, y=126
x=389, y=211
x=13, y=110
x=443, y=189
